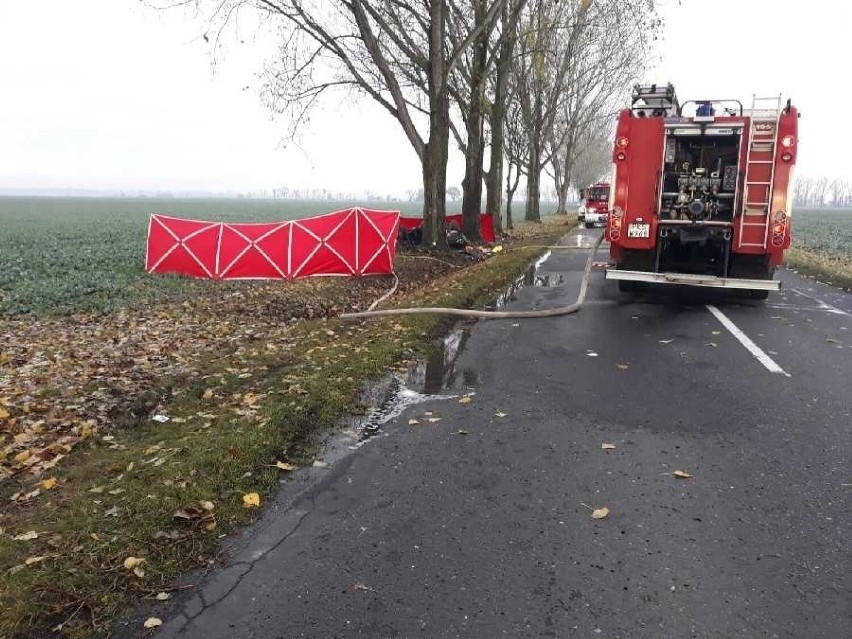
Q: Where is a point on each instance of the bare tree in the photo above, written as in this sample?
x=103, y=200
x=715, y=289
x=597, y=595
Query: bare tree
x=549, y=32
x=610, y=55
x=394, y=51
x=516, y=147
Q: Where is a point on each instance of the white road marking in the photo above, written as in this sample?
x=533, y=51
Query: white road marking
x=744, y=339
x=816, y=309
x=823, y=306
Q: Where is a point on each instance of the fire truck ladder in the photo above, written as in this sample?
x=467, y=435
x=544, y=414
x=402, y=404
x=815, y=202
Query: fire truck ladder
x=757, y=191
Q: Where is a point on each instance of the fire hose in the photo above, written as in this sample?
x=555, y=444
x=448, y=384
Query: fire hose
x=464, y=312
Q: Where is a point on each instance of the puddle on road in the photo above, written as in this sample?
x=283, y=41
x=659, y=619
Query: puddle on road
x=430, y=379
x=531, y=277
x=433, y=378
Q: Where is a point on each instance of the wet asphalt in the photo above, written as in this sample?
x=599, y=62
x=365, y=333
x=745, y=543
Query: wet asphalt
x=478, y=523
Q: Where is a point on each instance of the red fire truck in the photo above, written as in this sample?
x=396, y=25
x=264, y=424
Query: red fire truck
x=701, y=191
x=594, y=207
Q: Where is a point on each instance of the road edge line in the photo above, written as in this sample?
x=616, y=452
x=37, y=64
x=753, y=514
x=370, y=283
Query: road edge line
x=746, y=341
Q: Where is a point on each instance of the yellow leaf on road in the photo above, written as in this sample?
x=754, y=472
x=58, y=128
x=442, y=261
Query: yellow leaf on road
x=413, y=422
x=285, y=466
x=152, y=622
x=432, y=420
x=162, y=596
x=607, y=446
x=48, y=484
x=500, y=414
x=464, y=400
x=251, y=500
x=682, y=474
x=133, y=562
x=623, y=367
x=600, y=513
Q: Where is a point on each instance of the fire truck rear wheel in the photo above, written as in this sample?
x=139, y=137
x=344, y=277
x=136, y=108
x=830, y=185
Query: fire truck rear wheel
x=590, y=225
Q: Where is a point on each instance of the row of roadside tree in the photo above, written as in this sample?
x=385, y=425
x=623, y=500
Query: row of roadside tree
x=525, y=88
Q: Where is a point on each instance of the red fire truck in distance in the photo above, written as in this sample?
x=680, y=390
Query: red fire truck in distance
x=701, y=191
x=594, y=207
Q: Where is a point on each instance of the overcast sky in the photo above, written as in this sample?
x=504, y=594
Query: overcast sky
x=109, y=94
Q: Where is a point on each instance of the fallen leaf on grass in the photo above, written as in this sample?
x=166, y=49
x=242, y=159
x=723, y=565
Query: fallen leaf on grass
x=207, y=505
x=251, y=500
x=682, y=474
x=464, y=400
x=27, y=536
x=4, y=414
x=133, y=562
x=285, y=466
x=607, y=446
x=162, y=596
x=29, y=561
x=152, y=622
x=208, y=394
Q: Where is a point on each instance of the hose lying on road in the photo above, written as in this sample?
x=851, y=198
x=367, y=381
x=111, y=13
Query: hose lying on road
x=464, y=312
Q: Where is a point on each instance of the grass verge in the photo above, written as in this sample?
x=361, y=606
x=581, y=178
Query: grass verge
x=165, y=493
x=832, y=269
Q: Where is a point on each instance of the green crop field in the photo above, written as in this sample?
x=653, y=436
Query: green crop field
x=60, y=255
x=825, y=230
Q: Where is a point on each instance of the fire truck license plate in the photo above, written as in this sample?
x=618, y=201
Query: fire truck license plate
x=639, y=230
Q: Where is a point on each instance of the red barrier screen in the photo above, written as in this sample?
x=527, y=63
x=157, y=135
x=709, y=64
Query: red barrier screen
x=349, y=242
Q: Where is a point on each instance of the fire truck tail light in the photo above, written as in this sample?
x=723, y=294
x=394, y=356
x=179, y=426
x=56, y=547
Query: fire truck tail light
x=787, y=156
x=621, y=155
x=622, y=142
x=779, y=228
x=614, y=234
x=787, y=141
x=617, y=212
x=780, y=216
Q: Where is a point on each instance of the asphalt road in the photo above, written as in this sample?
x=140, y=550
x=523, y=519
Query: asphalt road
x=479, y=525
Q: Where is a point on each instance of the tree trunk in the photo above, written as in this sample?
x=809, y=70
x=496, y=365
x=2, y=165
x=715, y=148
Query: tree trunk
x=472, y=183
x=510, y=193
x=533, y=210
x=438, y=146
x=494, y=183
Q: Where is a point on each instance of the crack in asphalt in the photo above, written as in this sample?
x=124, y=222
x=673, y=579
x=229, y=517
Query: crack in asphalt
x=238, y=580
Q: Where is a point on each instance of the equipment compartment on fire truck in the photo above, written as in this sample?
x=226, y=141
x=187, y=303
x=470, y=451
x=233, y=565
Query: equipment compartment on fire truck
x=700, y=191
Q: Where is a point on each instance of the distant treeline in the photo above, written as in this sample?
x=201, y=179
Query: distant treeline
x=822, y=192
